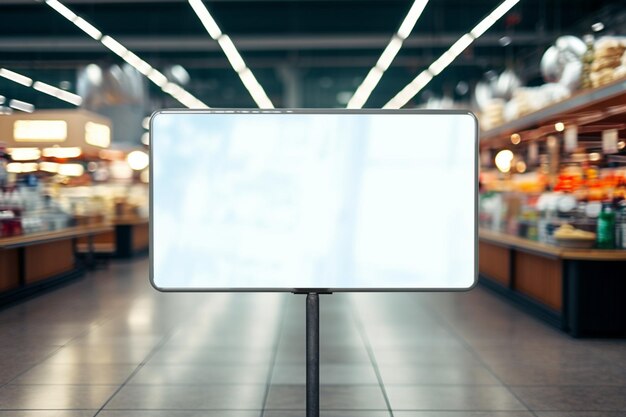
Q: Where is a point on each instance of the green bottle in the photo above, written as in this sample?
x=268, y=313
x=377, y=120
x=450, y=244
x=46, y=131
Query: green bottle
x=606, y=227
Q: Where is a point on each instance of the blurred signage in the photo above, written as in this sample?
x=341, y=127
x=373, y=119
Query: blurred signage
x=40, y=130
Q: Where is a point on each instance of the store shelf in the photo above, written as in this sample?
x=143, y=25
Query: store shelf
x=588, y=100
x=548, y=250
x=46, y=237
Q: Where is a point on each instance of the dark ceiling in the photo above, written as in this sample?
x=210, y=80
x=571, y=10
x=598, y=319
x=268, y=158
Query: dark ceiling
x=324, y=48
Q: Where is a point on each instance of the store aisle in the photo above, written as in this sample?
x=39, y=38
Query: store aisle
x=111, y=346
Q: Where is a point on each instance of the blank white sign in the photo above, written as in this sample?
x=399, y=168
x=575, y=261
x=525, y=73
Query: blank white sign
x=333, y=200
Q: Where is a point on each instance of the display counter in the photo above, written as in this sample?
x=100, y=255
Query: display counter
x=129, y=237
x=581, y=291
x=32, y=262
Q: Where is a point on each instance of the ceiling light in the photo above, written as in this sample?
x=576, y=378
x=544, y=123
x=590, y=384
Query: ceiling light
x=115, y=47
x=389, y=53
x=408, y=92
x=88, y=28
x=404, y=96
x=158, y=78
x=61, y=9
x=372, y=79
x=256, y=90
x=516, y=139
x=136, y=62
x=205, y=17
x=597, y=27
x=411, y=18
x=231, y=53
x=22, y=106
x=493, y=17
x=559, y=126
x=15, y=77
x=505, y=40
x=236, y=61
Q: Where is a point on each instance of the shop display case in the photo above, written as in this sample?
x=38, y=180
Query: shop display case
x=553, y=212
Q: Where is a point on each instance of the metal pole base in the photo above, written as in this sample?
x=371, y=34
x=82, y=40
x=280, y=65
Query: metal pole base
x=312, y=355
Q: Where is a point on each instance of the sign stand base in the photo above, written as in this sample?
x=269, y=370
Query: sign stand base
x=312, y=355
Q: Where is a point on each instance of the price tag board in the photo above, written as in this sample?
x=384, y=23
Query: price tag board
x=288, y=200
x=609, y=141
x=571, y=138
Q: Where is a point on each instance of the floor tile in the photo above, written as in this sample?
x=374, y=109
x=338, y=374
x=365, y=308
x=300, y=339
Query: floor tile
x=154, y=374
x=436, y=375
x=329, y=374
x=546, y=398
x=171, y=413
x=465, y=398
x=463, y=414
x=48, y=413
x=85, y=374
x=56, y=397
x=332, y=397
x=170, y=397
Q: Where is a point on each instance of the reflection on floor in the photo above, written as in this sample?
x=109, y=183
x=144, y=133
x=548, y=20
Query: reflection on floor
x=111, y=346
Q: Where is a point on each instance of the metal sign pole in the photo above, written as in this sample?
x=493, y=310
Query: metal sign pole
x=312, y=355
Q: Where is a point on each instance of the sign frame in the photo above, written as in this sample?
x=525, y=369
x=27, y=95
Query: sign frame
x=318, y=290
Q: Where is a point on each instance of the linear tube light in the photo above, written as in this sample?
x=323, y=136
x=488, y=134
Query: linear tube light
x=441, y=63
x=22, y=106
x=232, y=54
x=15, y=77
x=372, y=79
x=120, y=50
x=53, y=91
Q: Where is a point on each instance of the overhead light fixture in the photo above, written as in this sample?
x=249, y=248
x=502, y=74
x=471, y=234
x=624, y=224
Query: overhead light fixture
x=22, y=106
x=364, y=90
x=232, y=54
x=597, y=27
x=88, y=28
x=227, y=45
x=415, y=86
x=114, y=46
x=205, y=17
x=58, y=93
x=15, y=77
x=81, y=23
x=117, y=48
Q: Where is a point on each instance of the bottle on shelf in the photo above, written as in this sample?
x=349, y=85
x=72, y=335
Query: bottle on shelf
x=606, y=227
x=620, y=226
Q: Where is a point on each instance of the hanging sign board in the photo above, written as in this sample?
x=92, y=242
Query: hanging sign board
x=296, y=200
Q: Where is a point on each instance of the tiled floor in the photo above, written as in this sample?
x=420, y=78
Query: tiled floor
x=111, y=346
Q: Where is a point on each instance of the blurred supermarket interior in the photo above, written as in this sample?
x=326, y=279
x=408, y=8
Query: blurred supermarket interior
x=82, y=332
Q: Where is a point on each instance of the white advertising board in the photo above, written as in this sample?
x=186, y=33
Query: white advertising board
x=320, y=200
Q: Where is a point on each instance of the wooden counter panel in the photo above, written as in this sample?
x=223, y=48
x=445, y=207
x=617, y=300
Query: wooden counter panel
x=141, y=236
x=494, y=262
x=48, y=259
x=9, y=269
x=540, y=278
x=107, y=237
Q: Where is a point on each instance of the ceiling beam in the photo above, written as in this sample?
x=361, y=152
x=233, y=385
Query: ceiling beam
x=258, y=43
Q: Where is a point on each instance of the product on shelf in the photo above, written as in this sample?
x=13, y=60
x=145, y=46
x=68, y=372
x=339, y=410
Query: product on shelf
x=607, y=57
